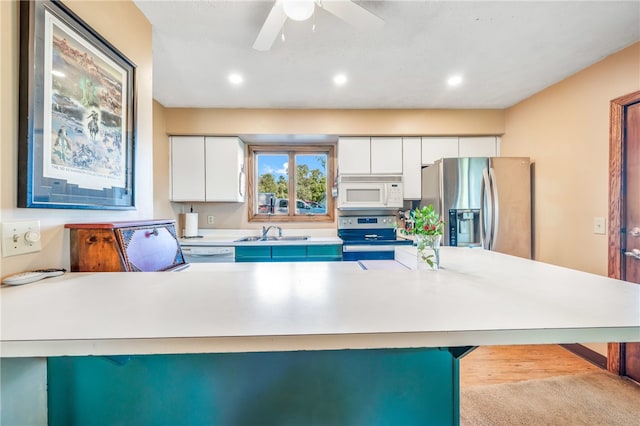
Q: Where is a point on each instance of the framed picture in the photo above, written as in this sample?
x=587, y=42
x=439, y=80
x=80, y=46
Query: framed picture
x=77, y=114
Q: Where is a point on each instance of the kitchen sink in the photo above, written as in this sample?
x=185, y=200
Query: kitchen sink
x=257, y=238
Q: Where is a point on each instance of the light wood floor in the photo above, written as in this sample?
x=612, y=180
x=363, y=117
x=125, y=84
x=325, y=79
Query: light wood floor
x=488, y=365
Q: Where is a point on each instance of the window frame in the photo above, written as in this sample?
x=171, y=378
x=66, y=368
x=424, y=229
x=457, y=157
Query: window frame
x=291, y=151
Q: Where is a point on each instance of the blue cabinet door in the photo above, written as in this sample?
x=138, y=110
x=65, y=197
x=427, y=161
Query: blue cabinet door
x=288, y=253
x=324, y=252
x=253, y=253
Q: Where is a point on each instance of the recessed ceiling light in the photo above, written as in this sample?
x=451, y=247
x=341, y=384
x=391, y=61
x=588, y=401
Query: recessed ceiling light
x=454, y=80
x=235, y=78
x=340, y=79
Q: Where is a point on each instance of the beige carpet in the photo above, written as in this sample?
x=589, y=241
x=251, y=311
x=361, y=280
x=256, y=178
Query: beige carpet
x=591, y=399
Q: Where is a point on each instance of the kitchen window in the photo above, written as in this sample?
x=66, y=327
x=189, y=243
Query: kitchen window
x=291, y=183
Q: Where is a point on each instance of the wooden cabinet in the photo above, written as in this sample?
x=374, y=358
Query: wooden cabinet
x=412, y=168
x=370, y=155
x=289, y=253
x=207, y=169
x=435, y=148
x=139, y=246
x=483, y=146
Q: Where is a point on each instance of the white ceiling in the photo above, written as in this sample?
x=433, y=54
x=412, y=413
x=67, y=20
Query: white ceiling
x=505, y=50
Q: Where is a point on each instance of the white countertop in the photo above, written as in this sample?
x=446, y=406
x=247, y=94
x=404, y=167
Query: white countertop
x=478, y=298
x=229, y=237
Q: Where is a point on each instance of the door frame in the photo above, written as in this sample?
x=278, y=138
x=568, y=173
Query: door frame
x=617, y=150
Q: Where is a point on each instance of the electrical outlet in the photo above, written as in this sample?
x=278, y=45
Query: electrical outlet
x=210, y=220
x=599, y=225
x=20, y=238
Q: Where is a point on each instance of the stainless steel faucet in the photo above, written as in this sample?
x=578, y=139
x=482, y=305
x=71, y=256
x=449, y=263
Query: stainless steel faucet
x=265, y=230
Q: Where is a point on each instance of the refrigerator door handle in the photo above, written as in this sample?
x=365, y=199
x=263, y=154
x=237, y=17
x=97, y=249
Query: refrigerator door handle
x=495, y=207
x=486, y=210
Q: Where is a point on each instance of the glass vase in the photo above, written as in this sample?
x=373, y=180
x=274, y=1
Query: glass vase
x=428, y=251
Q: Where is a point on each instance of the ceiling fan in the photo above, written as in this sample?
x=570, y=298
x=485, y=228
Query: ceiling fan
x=300, y=10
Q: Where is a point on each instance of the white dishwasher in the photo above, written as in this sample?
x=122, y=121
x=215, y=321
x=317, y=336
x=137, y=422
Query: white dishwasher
x=203, y=253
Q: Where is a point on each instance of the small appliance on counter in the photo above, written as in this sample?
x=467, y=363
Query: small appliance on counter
x=369, y=237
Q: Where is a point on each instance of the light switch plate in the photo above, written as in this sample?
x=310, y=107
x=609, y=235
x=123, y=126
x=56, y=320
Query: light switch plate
x=20, y=238
x=599, y=225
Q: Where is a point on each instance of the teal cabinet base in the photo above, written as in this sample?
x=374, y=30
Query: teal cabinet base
x=348, y=387
x=289, y=253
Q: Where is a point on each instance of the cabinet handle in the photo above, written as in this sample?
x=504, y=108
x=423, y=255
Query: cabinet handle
x=635, y=253
x=241, y=182
x=150, y=233
x=635, y=232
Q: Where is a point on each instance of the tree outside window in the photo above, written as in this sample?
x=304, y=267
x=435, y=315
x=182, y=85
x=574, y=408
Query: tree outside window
x=271, y=193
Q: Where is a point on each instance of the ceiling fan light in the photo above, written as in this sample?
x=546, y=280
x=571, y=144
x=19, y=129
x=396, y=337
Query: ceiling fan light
x=298, y=10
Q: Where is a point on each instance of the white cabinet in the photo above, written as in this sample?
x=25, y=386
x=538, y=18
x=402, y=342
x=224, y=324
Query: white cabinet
x=225, y=177
x=412, y=168
x=187, y=168
x=207, y=169
x=369, y=155
x=435, y=148
x=386, y=155
x=483, y=146
x=354, y=156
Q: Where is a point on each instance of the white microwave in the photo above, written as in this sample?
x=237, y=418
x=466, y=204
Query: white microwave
x=364, y=192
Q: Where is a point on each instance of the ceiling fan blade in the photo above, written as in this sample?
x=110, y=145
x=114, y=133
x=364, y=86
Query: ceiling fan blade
x=352, y=14
x=271, y=27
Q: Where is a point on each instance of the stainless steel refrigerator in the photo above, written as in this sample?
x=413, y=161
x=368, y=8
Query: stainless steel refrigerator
x=485, y=202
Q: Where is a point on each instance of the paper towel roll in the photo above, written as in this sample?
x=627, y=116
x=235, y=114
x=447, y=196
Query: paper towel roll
x=190, y=225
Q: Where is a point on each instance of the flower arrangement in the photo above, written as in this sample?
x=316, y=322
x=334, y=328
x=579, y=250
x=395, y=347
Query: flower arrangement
x=426, y=221
x=428, y=227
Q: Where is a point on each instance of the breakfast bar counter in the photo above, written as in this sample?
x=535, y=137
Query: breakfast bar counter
x=297, y=343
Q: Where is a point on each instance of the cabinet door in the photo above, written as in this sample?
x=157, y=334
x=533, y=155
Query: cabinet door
x=225, y=178
x=253, y=253
x=412, y=168
x=324, y=253
x=436, y=148
x=354, y=155
x=484, y=146
x=187, y=168
x=386, y=155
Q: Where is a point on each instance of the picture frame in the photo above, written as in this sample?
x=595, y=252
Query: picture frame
x=77, y=118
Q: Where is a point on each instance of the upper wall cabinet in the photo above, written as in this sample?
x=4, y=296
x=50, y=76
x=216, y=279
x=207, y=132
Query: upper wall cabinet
x=354, y=156
x=187, y=168
x=411, y=168
x=386, y=155
x=365, y=155
x=225, y=177
x=435, y=148
x=482, y=146
x=207, y=169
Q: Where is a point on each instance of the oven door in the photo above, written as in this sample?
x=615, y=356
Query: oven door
x=352, y=252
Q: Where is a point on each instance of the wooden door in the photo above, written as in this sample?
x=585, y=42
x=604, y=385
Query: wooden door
x=624, y=216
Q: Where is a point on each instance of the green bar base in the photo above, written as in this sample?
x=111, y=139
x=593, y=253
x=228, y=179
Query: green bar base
x=349, y=387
